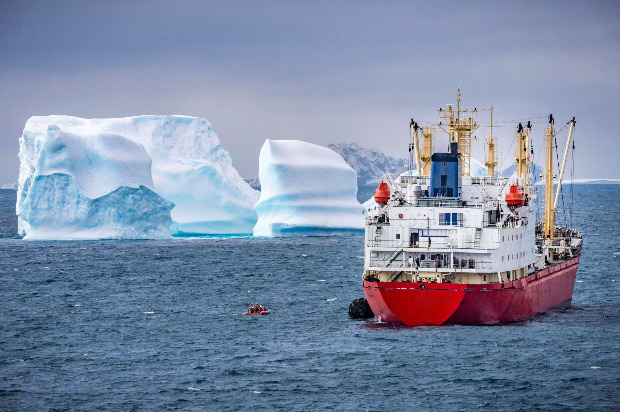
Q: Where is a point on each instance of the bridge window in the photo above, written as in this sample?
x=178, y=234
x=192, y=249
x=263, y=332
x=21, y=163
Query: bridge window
x=450, y=219
x=444, y=219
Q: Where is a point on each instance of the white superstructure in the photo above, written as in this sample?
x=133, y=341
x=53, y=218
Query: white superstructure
x=475, y=238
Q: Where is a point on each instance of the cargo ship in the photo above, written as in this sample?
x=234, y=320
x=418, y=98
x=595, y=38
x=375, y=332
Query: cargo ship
x=443, y=246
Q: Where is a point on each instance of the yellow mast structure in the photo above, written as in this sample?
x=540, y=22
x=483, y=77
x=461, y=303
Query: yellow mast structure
x=549, y=228
x=526, y=179
x=491, y=160
x=416, y=145
x=522, y=154
x=461, y=124
x=427, y=150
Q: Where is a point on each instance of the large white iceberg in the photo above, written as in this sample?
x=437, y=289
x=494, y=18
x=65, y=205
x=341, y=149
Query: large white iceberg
x=306, y=190
x=187, y=167
x=91, y=186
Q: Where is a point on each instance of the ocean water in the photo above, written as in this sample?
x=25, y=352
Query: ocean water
x=158, y=325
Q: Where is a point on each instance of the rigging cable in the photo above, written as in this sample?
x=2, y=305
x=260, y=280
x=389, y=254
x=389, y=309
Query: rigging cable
x=532, y=172
x=558, y=162
x=538, y=203
x=542, y=146
x=501, y=165
x=561, y=191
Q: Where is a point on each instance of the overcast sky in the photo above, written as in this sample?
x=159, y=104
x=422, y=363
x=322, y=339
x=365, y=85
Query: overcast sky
x=322, y=72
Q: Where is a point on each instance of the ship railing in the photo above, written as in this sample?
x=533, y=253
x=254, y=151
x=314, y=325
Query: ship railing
x=487, y=180
x=414, y=180
x=383, y=243
x=452, y=203
x=408, y=263
x=374, y=220
x=421, y=222
x=491, y=203
x=423, y=243
x=439, y=202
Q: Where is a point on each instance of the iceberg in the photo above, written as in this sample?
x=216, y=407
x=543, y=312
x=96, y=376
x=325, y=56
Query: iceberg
x=91, y=187
x=477, y=168
x=371, y=207
x=306, y=190
x=187, y=167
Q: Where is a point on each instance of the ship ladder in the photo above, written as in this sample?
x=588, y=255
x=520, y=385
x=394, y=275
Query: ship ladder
x=394, y=257
x=396, y=275
x=378, y=231
x=477, y=238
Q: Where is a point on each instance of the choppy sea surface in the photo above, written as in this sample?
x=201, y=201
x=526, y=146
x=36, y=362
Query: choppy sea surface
x=158, y=325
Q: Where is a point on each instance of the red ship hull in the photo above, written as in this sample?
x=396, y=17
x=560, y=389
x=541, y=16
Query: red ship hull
x=419, y=304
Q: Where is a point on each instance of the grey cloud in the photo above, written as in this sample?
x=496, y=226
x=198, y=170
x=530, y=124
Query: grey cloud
x=323, y=72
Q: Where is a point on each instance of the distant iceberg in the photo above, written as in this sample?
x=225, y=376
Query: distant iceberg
x=477, y=168
x=188, y=170
x=306, y=190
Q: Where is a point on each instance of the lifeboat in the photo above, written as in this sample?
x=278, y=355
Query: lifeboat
x=261, y=313
x=515, y=197
x=382, y=195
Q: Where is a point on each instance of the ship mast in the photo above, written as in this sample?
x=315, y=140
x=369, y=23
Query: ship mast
x=491, y=160
x=549, y=228
x=427, y=150
x=527, y=159
x=460, y=130
x=416, y=146
x=521, y=154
